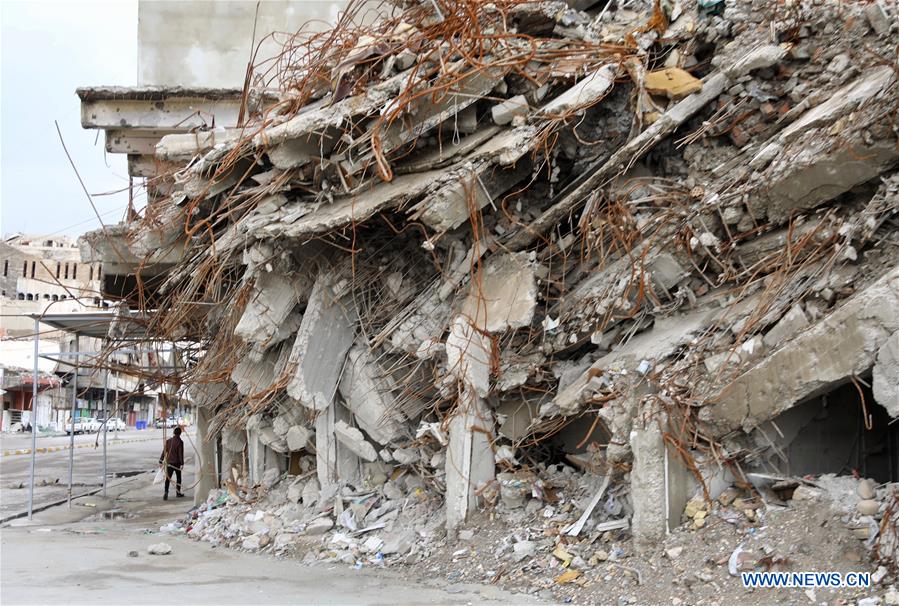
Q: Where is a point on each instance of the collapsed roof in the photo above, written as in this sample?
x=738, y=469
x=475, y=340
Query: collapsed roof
x=469, y=224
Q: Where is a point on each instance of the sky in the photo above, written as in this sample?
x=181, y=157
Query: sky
x=47, y=50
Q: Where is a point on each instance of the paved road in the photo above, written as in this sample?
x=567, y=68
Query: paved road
x=127, y=453
x=78, y=557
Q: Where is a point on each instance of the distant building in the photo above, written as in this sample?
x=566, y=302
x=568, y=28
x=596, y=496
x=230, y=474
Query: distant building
x=43, y=273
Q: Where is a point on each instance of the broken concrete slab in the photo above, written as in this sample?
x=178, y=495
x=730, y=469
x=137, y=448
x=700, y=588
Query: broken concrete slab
x=274, y=298
x=429, y=111
x=518, y=416
x=297, y=437
x=271, y=439
x=885, y=375
x=465, y=191
x=813, y=164
x=666, y=271
x=234, y=440
x=790, y=324
x=252, y=377
x=843, y=345
x=503, y=113
x=184, y=146
x=658, y=343
x=353, y=439
x=368, y=396
x=504, y=294
x=627, y=155
x=323, y=340
x=590, y=89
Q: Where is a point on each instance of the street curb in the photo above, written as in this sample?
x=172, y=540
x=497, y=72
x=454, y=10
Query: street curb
x=46, y=506
x=25, y=451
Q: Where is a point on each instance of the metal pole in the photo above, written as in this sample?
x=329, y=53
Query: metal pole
x=37, y=337
x=105, y=425
x=72, y=439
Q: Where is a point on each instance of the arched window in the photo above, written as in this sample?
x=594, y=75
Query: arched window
x=20, y=297
x=29, y=297
x=56, y=297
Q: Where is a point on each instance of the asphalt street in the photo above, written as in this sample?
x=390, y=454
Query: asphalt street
x=128, y=452
x=84, y=555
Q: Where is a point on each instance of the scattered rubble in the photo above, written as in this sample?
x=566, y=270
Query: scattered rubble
x=159, y=549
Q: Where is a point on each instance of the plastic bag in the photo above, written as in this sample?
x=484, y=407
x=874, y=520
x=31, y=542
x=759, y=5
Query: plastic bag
x=159, y=477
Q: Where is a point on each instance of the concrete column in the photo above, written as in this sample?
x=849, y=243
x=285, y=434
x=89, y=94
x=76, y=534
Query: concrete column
x=334, y=462
x=256, y=456
x=469, y=457
x=660, y=484
x=205, y=459
x=229, y=461
x=469, y=461
x=349, y=465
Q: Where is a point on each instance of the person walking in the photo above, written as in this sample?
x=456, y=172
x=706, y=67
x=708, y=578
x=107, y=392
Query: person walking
x=172, y=459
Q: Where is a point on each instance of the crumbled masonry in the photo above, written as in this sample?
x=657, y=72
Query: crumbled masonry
x=481, y=259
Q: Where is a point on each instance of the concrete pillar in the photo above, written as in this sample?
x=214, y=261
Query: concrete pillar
x=469, y=457
x=660, y=484
x=204, y=461
x=334, y=462
x=229, y=461
x=469, y=461
x=256, y=456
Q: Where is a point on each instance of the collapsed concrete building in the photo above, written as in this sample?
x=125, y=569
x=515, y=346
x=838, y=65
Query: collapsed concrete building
x=471, y=241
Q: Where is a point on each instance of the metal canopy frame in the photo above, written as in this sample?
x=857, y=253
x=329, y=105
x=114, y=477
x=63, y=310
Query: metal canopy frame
x=92, y=324
x=97, y=324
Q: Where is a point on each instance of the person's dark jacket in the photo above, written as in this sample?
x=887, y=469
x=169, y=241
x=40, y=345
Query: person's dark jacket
x=173, y=453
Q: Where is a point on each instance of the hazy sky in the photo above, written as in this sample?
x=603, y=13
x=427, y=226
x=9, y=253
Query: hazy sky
x=49, y=49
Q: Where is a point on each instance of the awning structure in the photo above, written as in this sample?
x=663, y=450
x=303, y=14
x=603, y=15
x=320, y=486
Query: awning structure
x=130, y=326
x=118, y=326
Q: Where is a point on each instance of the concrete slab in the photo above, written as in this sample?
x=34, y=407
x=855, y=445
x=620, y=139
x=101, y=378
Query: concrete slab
x=504, y=295
x=368, y=396
x=323, y=340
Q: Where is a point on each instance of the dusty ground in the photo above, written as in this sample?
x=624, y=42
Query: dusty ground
x=77, y=557
x=127, y=452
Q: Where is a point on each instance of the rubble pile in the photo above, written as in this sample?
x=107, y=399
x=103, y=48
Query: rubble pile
x=476, y=247
x=397, y=519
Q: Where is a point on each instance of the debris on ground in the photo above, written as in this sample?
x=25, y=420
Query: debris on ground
x=159, y=549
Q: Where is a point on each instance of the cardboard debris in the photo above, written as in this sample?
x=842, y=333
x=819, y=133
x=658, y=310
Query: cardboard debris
x=672, y=82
